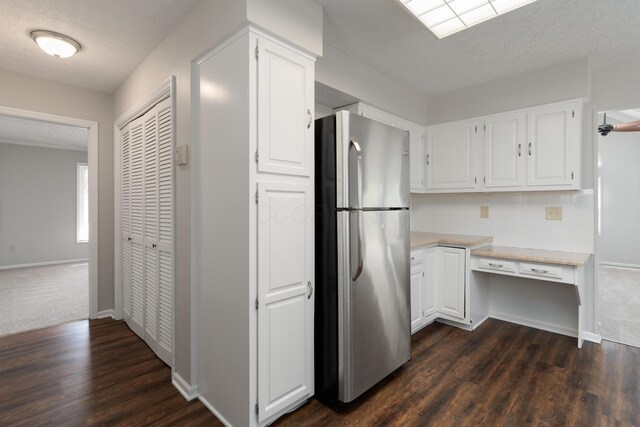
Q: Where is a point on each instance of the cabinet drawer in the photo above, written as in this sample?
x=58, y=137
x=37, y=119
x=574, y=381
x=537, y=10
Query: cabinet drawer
x=543, y=270
x=497, y=264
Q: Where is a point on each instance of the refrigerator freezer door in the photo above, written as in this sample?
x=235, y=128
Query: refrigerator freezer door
x=373, y=298
x=372, y=162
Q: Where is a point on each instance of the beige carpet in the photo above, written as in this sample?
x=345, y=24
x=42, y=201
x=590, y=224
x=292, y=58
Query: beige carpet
x=619, y=305
x=35, y=297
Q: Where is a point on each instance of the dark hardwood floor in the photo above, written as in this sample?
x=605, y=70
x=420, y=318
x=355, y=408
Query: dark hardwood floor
x=89, y=373
x=100, y=373
x=499, y=375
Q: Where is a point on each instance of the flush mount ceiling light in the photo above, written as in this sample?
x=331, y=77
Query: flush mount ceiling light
x=55, y=44
x=445, y=17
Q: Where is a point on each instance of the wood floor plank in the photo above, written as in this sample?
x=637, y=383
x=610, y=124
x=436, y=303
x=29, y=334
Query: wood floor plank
x=89, y=373
x=100, y=373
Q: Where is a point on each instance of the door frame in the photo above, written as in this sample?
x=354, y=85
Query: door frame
x=92, y=160
x=165, y=90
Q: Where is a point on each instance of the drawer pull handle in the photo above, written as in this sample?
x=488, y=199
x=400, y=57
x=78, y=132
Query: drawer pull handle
x=537, y=270
x=495, y=265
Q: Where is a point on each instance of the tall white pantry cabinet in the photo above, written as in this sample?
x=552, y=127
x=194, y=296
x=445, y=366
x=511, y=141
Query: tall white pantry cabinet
x=255, y=222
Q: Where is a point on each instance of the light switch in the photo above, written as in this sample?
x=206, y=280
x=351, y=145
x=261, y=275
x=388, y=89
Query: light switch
x=553, y=213
x=484, y=211
x=182, y=155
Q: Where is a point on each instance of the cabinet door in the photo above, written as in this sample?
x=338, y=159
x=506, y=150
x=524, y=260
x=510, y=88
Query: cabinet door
x=553, y=138
x=452, y=282
x=417, y=290
x=285, y=105
x=505, y=145
x=416, y=148
x=285, y=310
x=430, y=269
x=449, y=156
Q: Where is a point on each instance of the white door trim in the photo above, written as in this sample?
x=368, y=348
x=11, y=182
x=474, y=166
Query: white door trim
x=167, y=89
x=92, y=155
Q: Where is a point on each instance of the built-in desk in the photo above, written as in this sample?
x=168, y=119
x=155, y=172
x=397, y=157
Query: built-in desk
x=551, y=266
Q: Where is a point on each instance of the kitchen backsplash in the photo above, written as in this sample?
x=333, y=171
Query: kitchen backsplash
x=515, y=219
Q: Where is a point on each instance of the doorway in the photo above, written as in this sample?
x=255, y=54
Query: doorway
x=618, y=230
x=48, y=220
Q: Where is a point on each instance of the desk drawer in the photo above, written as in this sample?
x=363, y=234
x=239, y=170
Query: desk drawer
x=497, y=264
x=542, y=270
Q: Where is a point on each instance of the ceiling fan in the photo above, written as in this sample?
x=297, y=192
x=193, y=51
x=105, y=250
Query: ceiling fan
x=605, y=127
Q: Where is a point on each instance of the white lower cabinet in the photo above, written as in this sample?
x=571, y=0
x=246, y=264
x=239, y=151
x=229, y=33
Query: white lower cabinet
x=437, y=285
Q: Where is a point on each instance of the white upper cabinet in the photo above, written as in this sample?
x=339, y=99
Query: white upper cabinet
x=417, y=158
x=285, y=102
x=505, y=141
x=449, y=156
x=553, y=147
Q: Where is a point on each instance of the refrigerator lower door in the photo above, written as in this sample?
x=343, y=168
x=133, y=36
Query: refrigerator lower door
x=373, y=298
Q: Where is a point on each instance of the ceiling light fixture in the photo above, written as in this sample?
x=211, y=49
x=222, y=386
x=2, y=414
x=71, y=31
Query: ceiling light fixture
x=55, y=44
x=446, y=17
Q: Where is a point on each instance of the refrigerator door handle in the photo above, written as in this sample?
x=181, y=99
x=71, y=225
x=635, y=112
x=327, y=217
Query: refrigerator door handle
x=357, y=243
x=358, y=151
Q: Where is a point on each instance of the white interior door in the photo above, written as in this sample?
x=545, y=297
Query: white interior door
x=126, y=225
x=136, y=322
x=148, y=228
x=285, y=313
x=285, y=103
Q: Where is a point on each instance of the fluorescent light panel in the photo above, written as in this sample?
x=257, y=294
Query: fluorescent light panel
x=446, y=17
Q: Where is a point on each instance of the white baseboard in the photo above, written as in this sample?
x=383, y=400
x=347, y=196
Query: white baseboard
x=453, y=323
x=618, y=264
x=187, y=391
x=534, y=324
x=589, y=336
x=106, y=313
x=477, y=325
x=222, y=419
x=42, y=264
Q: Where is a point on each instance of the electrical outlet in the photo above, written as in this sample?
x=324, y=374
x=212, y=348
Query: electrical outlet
x=553, y=213
x=484, y=211
x=12, y=248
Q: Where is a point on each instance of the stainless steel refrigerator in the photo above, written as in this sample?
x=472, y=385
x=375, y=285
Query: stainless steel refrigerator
x=362, y=311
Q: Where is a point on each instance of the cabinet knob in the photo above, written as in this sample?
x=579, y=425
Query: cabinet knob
x=519, y=150
x=310, y=118
x=530, y=148
x=310, y=286
x=428, y=155
x=129, y=239
x=154, y=245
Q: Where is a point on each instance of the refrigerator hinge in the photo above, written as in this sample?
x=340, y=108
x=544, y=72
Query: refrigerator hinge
x=257, y=156
x=257, y=303
x=257, y=197
x=257, y=408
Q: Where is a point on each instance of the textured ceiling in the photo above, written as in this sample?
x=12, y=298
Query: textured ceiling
x=381, y=34
x=15, y=130
x=116, y=36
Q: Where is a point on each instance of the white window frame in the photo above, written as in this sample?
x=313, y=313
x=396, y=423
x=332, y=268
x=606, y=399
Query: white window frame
x=82, y=201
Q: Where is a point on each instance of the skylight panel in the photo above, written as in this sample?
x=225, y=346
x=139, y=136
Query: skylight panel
x=446, y=17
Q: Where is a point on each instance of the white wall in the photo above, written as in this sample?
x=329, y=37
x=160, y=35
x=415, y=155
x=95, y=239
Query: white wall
x=620, y=215
x=38, y=205
x=341, y=72
x=35, y=94
x=515, y=219
x=322, y=111
x=207, y=24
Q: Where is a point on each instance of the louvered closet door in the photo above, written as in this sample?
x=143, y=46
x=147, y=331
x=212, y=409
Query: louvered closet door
x=166, y=233
x=126, y=225
x=136, y=322
x=150, y=236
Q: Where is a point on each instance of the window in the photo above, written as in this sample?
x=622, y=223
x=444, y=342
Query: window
x=82, y=203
